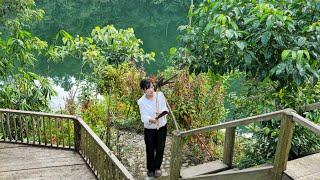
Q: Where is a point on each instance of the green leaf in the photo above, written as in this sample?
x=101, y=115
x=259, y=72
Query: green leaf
x=313, y=71
x=64, y=40
x=229, y=33
x=208, y=27
x=285, y=54
x=65, y=34
x=299, y=55
x=267, y=53
x=297, y=79
x=247, y=59
x=306, y=52
x=234, y=25
x=280, y=69
x=266, y=130
x=152, y=54
x=274, y=133
x=241, y=45
x=301, y=41
x=293, y=54
x=265, y=38
x=172, y=51
x=270, y=21
x=301, y=70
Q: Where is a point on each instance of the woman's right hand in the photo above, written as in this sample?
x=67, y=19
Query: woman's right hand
x=153, y=121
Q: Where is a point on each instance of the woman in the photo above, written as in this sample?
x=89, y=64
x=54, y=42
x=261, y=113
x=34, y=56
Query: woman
x=153, y=111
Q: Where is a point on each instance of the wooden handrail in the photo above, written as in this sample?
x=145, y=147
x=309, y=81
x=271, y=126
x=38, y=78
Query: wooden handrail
x=32, y=113
x=105, y=149
x=35, y=128
x=235, y=123
x=306, y=123
x=309, y=107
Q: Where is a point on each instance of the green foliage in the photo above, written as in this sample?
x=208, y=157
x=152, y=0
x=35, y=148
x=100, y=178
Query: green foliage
x=17, y=14
x=125, y=91
x=121, y=85
x=95, y=116
x=113, y=55
x=106, y=46
x=21, y=89
x=17, y=46
x=26, y=91
x=265, y=40
x=254, y=154
x=195, y=100
x=124, y=84
x=19, y=49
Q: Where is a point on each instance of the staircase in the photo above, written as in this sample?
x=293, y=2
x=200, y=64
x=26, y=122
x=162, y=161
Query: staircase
x=304, y=168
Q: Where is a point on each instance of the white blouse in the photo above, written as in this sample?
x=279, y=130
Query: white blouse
x=149, y=108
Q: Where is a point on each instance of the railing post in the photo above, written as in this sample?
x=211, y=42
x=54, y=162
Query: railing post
x=176, y=155
x=283, y=146
x=229, y=146
x=77, y=134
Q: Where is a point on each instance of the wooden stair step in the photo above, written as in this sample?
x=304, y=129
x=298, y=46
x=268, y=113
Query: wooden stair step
x=206, y=168
x=261, y=173
x=250, y=168
x=301, y=168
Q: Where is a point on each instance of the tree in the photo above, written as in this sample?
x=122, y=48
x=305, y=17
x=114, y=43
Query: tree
x=104, y=47
x=265, y=40
x=20, y=88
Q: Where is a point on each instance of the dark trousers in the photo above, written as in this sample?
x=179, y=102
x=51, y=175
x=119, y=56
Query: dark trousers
x=155, y=141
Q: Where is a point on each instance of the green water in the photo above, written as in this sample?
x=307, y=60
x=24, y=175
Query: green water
x=155, y=22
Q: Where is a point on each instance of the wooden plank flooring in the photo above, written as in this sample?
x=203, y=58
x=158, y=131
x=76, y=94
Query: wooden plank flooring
x=29, y=162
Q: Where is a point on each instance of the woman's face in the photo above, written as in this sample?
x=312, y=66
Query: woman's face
x=149, y=91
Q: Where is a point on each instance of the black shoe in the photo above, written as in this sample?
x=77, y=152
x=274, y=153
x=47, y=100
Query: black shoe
x=150, y=174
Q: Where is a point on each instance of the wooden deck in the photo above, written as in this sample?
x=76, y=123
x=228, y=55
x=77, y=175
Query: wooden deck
x=19, y=161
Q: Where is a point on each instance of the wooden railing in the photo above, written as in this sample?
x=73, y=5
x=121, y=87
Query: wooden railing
x=36, y=128
x=287, y=117
x=64, y=132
